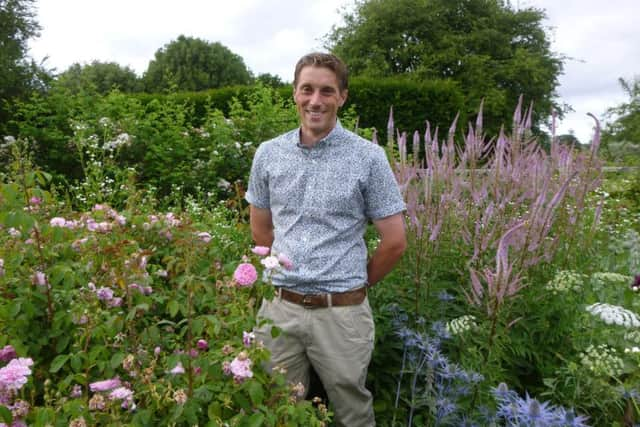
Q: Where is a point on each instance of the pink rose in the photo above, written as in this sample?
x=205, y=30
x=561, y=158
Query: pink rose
x=261, y=250
x=285, y=261
x=245, y=274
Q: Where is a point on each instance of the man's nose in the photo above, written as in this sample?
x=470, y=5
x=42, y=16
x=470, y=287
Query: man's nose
x=315, y=97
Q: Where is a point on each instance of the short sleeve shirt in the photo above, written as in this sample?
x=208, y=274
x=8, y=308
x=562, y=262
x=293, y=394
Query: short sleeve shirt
x=321, y=199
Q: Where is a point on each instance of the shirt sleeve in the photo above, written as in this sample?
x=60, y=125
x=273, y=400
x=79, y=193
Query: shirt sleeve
x=258, y=190
x=382, y=194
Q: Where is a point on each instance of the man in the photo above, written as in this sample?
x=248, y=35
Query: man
x=311, y=194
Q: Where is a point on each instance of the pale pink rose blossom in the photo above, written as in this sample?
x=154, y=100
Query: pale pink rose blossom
x=120, y=393
x=104, y=294
x=35, y=200
x=104, y=227
x=57, y=222
x=39, y=279
x=285, y=261
x=72, y=224
x=241, y=369
x=105, y=385
x=245, y=274
x=13, y=232
x=14, y=375
x=178, y=369
x=261, y=250
x=270, y=262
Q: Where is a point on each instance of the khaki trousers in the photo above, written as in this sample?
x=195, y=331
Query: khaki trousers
x=336, y=341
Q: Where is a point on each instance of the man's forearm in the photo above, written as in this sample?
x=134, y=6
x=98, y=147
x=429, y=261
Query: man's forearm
x=263, y=237
x=383, y=260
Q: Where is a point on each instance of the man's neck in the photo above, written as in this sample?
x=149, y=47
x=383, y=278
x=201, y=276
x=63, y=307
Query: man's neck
x=310, y=139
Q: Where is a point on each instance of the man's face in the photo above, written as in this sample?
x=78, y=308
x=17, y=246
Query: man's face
x=318, y=97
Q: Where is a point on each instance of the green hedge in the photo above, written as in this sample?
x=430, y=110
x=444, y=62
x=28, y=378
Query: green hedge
x=414, y=102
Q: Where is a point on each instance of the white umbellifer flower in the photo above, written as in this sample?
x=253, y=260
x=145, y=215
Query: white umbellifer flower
x=614, y=315
x=602, y=360
x=603, y=279
x=461, y=324
x=565, y=281
x=633, y=336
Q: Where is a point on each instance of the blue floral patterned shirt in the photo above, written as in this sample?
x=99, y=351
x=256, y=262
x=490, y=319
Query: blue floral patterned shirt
x=321, y=198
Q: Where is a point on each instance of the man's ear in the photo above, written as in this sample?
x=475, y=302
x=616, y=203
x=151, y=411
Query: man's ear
x=343, y=97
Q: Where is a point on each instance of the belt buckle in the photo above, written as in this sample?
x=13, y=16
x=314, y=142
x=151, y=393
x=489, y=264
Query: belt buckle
x=307, y=301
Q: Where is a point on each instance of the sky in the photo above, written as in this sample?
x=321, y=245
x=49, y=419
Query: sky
x=600, y=40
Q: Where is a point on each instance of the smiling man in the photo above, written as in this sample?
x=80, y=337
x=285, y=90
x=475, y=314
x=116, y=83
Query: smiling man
x=312, y=192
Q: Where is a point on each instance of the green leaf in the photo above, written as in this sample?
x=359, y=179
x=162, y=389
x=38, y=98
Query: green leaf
x=275, y=331
x=142, y=418
x=62, y=343
x=58, y=363
x=256, y=393
x=197, y=326
x=117, y=359
x=173, y=308
x=42, y=178
x=76, y=362
x=214, y=411
x=5, y=414
x=14, y=309
x=254, y=420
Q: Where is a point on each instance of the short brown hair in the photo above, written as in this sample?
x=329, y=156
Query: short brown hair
x=327, y=60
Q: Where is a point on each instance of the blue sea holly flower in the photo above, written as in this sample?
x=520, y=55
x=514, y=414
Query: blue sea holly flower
x=570, y=419
x=532, y=412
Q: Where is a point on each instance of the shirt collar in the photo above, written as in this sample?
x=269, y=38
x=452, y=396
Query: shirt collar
x=331, y=138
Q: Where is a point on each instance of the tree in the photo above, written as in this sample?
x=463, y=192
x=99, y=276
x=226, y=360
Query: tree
x=100, y=77
x=271, y=80
x=621, y=137
x=193, y=64
x=493, y=51
x=19, y=75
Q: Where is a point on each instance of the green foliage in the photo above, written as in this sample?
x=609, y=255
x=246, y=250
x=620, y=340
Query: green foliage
x=269, y=79
x=621, y=137
x=95, y=294
x=19, y=75
x=99, y=77
x=490, y=49
x=413, y=102
x=192, y=64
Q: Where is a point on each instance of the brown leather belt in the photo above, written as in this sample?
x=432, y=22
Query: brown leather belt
x=353, y=297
